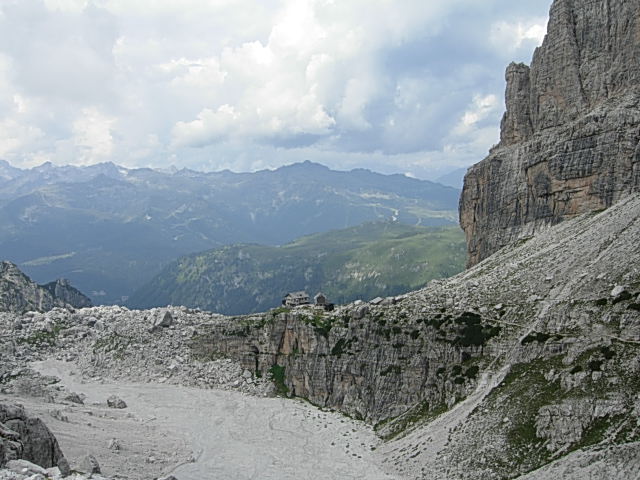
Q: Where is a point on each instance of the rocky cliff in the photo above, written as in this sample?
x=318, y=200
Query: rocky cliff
x=18, y=293
x=570, y=137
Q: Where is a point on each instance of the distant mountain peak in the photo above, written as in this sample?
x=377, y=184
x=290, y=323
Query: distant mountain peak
x=306, y=164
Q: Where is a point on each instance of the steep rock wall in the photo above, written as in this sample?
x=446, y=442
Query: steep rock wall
x=570, y=137
x=372, y=363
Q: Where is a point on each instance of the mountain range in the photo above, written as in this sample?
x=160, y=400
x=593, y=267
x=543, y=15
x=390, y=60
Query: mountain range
x=109, y=229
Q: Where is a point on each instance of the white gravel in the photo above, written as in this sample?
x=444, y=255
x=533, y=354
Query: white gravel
x=235, y=436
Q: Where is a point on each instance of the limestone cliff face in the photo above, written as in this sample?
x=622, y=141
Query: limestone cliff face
x=372, y=363
x=570, y=137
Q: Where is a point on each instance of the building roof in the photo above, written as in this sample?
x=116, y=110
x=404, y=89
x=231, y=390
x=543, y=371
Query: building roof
x=297, y=295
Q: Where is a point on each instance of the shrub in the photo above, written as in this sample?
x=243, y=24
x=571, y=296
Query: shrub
x=278, y=376
x=472, y=372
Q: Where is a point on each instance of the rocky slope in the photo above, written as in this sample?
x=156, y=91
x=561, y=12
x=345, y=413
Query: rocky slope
x=363, y=262
x=570, y=138
x=29, y=451
x=523, y=359
x=19, y=294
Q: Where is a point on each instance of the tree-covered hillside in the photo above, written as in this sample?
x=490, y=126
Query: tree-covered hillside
x=373, y=259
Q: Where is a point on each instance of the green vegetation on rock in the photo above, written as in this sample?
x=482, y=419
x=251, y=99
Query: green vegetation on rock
x=373, y=259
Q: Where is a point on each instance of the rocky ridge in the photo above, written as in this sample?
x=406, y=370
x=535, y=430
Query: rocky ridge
x=570, y=137
x=18, y=293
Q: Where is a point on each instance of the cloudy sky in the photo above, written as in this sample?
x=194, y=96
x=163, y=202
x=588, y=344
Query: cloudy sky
x=408, y=86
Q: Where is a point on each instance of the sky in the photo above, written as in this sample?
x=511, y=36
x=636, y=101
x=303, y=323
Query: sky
x=395, y=86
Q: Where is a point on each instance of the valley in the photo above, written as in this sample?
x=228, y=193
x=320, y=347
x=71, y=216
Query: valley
x=110, y=230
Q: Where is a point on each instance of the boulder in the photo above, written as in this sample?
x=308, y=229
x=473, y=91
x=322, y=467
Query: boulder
x=90, y=465
x=74, y=398
x=63, y=466
x=24, y=467
x=27, y=438
x=163, y=319
x=116, y=402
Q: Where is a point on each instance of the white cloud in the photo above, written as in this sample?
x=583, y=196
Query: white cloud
x=480, y=109
x=510, y=36
x=15, y=136
x=92, y=137
x=205, y=129
x=145, y=81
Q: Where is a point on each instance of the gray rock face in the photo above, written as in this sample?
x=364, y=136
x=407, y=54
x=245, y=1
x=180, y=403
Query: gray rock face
x=563, y=425
x=18, y=293
x=65, y=292
x=570, y=141
x=27, y=438
x=516, y=124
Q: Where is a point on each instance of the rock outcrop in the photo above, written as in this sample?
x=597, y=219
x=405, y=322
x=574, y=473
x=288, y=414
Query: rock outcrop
x=25, y=437
x=29, y=451
x=62, y=290
x=570, y=137
x=18, y=293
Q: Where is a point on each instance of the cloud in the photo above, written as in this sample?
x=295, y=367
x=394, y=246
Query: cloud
x=404, y=85
x=15, y=136
x=481, y=108
x=511, y=36
x=92, y=136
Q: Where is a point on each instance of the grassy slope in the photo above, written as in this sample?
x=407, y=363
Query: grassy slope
x=360, y=262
